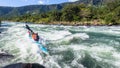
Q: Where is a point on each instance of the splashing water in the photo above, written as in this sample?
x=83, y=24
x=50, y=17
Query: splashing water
x=68, y=46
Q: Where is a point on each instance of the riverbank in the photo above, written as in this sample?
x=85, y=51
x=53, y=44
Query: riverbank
x=77, y=23
x=71, y=14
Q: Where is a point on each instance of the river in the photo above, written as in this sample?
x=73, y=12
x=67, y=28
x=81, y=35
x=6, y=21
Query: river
x=68, y=46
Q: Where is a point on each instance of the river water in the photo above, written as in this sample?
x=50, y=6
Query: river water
x=68, y=46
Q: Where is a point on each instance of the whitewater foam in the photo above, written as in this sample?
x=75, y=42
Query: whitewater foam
x=102, y=51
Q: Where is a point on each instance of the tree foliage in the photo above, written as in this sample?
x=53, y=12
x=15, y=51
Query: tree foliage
x=109, y=13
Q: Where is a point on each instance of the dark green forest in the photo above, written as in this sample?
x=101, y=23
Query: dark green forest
x=75, y=14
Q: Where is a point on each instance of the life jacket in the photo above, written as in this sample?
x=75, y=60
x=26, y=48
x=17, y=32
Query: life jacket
x=35, y=36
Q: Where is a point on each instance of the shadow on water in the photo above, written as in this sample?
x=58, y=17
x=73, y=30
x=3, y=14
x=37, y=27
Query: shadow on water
x=98, y=38
x=4, y=27
x=68, y=56
x=5, y=55
x=89, y=62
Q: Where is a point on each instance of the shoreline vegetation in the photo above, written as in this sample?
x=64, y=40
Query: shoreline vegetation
x=75, y=15
x=89, y=23
x=72, y=23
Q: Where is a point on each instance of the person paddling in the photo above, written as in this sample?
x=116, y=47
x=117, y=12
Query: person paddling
x=32, y=34
x=36, y=38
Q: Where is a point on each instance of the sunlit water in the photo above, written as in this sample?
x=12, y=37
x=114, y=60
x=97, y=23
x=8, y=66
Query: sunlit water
x=68, y=46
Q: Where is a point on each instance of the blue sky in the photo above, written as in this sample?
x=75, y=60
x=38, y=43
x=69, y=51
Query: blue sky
x=17, y=3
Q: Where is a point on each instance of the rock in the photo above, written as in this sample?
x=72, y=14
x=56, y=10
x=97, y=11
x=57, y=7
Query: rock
x=5, y=55
x=0, y=23
x=24, y=65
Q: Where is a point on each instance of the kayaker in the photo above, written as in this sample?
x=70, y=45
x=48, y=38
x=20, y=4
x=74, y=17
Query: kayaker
x=32, y=34
x=36, y=38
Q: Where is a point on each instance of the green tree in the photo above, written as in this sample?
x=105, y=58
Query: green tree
x=70, y=12
x=55, y=15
